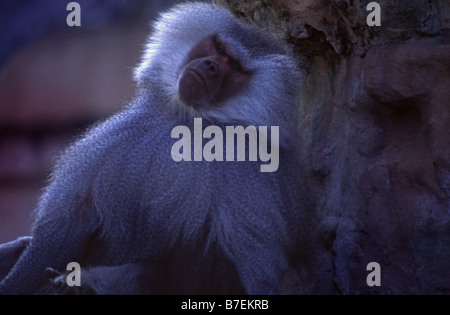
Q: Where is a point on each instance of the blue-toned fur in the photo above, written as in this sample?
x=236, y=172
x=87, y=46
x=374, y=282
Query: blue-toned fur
x=117, y=197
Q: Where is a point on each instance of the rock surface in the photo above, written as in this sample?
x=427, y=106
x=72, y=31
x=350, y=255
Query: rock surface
x=376, y=136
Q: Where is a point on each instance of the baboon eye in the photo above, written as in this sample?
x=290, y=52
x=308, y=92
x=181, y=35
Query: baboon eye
x=220, y=48
x=235, y=64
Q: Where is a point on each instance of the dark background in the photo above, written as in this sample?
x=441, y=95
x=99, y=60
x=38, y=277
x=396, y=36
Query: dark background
x=55, y=81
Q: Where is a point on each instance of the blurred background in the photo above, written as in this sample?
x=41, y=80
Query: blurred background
x=55, y=81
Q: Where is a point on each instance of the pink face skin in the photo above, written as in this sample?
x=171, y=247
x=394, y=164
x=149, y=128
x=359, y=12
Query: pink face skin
x=211, y=74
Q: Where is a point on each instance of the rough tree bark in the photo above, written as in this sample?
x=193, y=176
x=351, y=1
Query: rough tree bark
x=375, y=130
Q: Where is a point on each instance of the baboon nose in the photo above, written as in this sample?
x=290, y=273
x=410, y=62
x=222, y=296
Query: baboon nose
x=212, y=66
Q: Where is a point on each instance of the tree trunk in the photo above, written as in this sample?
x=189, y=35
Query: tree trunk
x=375, y=128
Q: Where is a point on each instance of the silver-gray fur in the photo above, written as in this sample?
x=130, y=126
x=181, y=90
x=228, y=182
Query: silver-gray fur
x=116, y=197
